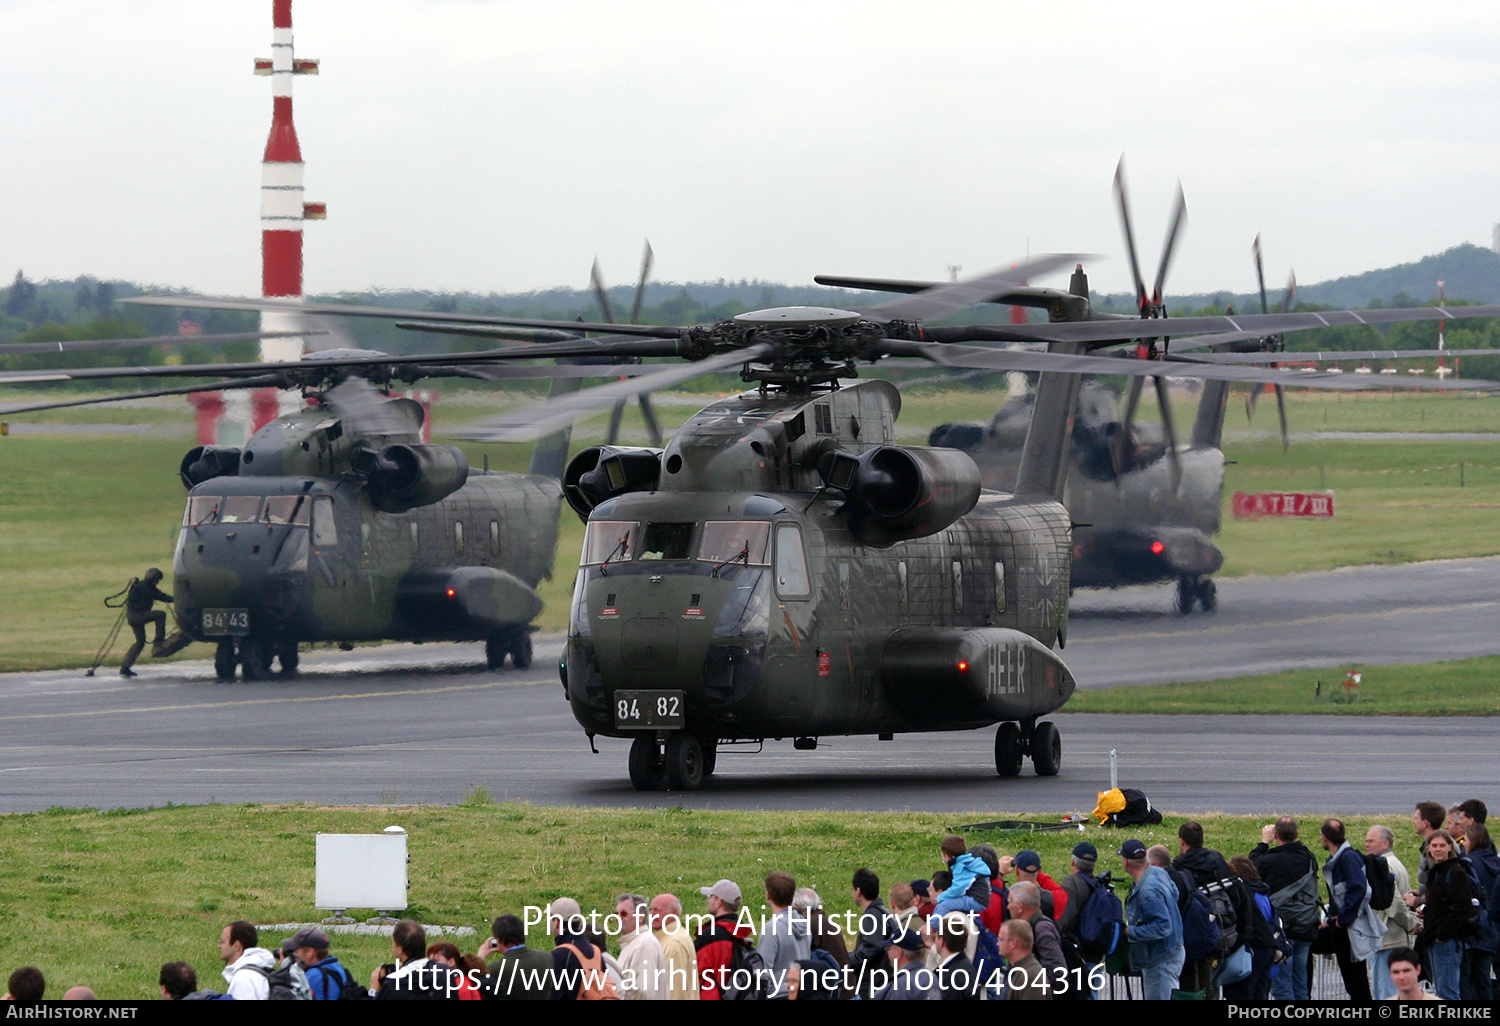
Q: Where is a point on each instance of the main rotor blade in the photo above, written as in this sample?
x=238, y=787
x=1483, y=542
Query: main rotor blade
x=1122, y=204
x=550, y=416
x=1254, y=324
x=1010, y=359
x=391, y=313
x=596, y=282
x=945, y=299
x=1169, y=247
x=265, y=381
x=648, y=414
x=1260, y=274
x=1126, y=435
x=615, y=414
x=1328, y=356
x=495, y=331
x=647, y=258
x=1164, y=404
x=80, y=345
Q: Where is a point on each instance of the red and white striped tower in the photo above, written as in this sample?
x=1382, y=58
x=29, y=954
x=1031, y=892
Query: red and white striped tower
x=282, y=210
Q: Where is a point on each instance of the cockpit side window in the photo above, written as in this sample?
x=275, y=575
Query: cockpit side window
x=611, y=541
x=667, y=541
x=324, y=531
x=288, y=509
x=791, y=563
x=202, y=509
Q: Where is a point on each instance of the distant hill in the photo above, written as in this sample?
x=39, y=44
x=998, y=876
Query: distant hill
x=1471, y=273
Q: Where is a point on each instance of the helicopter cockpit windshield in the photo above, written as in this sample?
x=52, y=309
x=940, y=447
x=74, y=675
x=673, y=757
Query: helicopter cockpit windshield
x=721, y=542
x=246, y=509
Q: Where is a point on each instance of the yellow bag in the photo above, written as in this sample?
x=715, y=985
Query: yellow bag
x=1110, y=802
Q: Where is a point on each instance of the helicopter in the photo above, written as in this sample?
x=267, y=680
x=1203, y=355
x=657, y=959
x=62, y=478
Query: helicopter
x=783, y=568
x=1145, y=506
x=336, y=523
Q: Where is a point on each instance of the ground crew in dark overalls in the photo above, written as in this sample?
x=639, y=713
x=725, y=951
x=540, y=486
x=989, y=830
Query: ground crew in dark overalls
x=138, y=613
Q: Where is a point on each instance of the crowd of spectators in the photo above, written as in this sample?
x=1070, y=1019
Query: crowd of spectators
x=986, y=925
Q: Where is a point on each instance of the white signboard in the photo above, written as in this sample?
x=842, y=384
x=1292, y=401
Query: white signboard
x=361, y=871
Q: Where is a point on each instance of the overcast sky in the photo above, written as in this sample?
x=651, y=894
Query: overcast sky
x=503, y=145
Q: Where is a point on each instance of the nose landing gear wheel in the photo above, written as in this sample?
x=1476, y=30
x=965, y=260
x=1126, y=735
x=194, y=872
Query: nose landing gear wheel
x=648, y=770
x=255, y=659
x=1046, y=750
x=224, y=661
x=684, y=763
x=1008, y=750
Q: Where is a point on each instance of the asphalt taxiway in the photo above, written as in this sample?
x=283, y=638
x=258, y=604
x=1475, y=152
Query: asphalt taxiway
x=410, y=724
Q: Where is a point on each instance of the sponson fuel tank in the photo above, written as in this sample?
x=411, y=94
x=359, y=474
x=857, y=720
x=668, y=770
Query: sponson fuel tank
x=980, y=673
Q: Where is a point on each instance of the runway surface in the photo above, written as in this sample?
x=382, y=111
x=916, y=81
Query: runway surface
x=409, y=724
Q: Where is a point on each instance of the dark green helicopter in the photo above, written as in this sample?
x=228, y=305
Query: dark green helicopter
x=337, y=523
x=782, y=568
x=1145, y=506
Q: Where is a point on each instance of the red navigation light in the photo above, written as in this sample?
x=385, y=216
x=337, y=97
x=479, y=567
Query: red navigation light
x=963, y=666
x=451, y=593
x=1157, y=548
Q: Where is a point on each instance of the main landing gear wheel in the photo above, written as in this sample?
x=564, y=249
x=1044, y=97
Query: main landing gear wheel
x=1046, y=750
x=710, y=757
x=224, y=661
x=1008, y=750
x=648, y=770
x=286, y=653
x=1187, y=591
x=1208, y=595
x=684, y=763
x=508, y=641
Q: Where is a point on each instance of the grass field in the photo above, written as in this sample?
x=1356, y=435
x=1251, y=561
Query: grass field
x=104, y=898
x=1460, y=688
x=82, y=513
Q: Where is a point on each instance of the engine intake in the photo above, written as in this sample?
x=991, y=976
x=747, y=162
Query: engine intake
x=603, y=471
x=206, y=462
x=403, y=477
x=896, y=492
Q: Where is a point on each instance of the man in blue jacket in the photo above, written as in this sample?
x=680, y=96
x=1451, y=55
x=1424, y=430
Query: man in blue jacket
x=325, y=976
x=1153, y=926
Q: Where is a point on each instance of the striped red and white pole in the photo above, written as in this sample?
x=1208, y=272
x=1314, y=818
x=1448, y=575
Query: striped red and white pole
x=282, y=209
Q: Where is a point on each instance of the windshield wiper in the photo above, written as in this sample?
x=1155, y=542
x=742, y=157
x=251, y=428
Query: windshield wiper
x=603, y=567
x=743, y=554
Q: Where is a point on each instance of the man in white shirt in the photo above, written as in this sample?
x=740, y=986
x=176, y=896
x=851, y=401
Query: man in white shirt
x=245, y=962
x=642, y=962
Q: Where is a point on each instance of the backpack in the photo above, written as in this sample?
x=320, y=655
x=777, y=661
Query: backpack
x=1201, y=933
x=1137, y=810
x=1382, y=882
x=285, y=984
x=989, y=966
x=1278, y=931
x=745, y=963
x=594, y=984
x=1101, y=921
x=1220, y=897
x=1484, y=932
x=1297, y=904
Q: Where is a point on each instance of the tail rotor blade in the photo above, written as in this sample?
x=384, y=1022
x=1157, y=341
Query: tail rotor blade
x=647, y=258
x=1286, y=441
x=1127, y=426
x=1250, y=398
x=1289, y=299
x=1123, y=204
x=1164, y=404
x=648, y=414
x=1169, y=247
x=596, y=282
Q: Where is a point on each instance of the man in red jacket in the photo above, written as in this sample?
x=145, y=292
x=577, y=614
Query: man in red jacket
x=716, y=942
x=1028, y=866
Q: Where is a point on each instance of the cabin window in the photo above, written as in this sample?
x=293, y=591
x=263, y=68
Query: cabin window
x=412, y=530
x=999, y=586
x=958, y=587
x=324, y=531
x=901, y=587
x=287, y=509
x=201, y=509
x=823, y=419
x=239, y=509
x=609, y=541
x=791, y=563
x=667, y=541
x=494, y=537
x=458, y=538
x=729, y=541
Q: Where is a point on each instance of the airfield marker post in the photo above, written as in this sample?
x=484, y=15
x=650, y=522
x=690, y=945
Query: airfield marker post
x=1114, y=769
